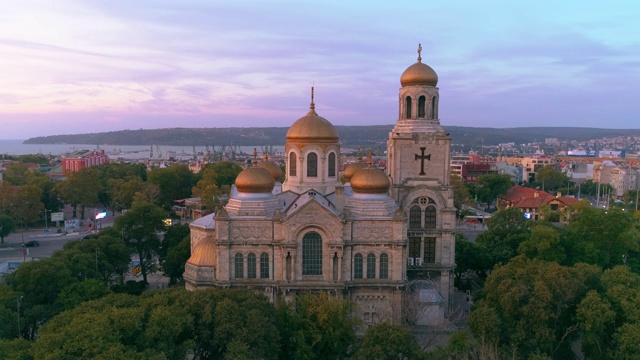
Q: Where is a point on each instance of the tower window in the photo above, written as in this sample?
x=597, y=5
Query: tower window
x=312, y=254
x=312, y=165
x=422, y=103
x=371, y=266
x=239, y=266
x=430, y=217
x=357, y=266
x=430, y=250
x=408, y=107
x=332, y=165
x=415, y=217
x=432, y=111
x=264, y=266
x=251, y=266
x=292, y=164
x=384, y=266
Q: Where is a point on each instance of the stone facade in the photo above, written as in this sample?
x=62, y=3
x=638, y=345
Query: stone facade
x=364, y=240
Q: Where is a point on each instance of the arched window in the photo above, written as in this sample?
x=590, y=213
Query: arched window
x=292, y=164
x=407, y=105
x=264, y=266
x=415, y=215
x=422, y=103
x=332, y=165
x=239, y=266
x=384, y=266
x=432, y=111
x=371, y=266
x=312, y=165
x=251, y=266
x=357, y=266
x=430, y=217
x=312, y=254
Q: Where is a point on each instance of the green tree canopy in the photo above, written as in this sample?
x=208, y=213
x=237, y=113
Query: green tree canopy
x=489, y=186
x=140, y=228
x=175, y=182
x=226, y=172
x=550, y=179
x=386, y=341
x=81, y=188
x=6, y=227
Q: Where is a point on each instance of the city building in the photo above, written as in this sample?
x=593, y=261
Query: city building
x=529, y=201
x=79, y=160
x=378, y=239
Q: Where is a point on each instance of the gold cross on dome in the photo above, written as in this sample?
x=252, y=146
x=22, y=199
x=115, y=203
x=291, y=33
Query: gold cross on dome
x=419, y=52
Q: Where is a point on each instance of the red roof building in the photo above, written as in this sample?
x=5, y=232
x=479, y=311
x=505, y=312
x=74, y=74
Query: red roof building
x=82, y=159
x=530, y=200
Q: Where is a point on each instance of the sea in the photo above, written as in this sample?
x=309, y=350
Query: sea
x=16, y=147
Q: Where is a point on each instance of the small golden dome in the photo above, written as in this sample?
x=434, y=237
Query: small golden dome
x=255, y=180
x=351, y=169
x=312, y=128
x=370, y=181
x=273, y=168
x=203, y=254
x=419, y=73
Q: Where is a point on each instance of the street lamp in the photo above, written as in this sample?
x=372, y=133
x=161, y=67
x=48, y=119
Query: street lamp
x=46, y=224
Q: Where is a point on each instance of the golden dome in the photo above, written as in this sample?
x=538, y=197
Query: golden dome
x=273, y=168
x=419, y=73
x=203, y=254
x=255, y=180
x=370, y=181
x=352, y=169
x=312, y=128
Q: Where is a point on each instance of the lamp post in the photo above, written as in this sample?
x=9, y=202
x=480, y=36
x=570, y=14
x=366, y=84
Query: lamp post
x=46, y=223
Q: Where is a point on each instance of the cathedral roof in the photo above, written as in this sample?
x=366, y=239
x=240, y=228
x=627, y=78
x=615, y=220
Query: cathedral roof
x=312, y=128
x=203, y=254
x=273, y=168
x=352, y=168
x=255, y=179
x=370, y=180
x=419, y=73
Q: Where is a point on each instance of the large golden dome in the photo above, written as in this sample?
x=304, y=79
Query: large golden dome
x=370, y=181
x=203, y=254
x=419, y=73
x=255, y=180
x=273, y=168
x=312, y=128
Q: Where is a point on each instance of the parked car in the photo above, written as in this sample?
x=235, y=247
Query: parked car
x=32, y=243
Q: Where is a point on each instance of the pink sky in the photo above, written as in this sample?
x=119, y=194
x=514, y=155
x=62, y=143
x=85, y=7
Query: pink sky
x=90, y=66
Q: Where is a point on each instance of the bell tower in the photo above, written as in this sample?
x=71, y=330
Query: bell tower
x=418, y=151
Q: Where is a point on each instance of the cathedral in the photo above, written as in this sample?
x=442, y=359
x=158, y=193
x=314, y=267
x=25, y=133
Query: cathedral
x=382, y=239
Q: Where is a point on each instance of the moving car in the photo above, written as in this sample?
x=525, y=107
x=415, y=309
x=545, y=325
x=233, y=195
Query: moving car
x=32, y=243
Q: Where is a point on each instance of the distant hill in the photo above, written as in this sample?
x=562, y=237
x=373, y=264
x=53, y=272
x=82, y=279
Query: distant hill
x=369, y=136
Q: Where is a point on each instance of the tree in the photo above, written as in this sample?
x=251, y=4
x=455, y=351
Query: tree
x=535, y=302
x=28, y=205
x=389, y=341
x=176, y=260
x=206, y=189
x=320, y=327
x=470, y=256
x=461, y=195
x=544, y=244
x=172, y=237
x=6, y=227
x=140, y=227
x=550, y=179
x=226, y=172
x=489, y=186
x=81, y=188
x=15, y=173
x=122, y=192
x=175, y=182
x=507, y=229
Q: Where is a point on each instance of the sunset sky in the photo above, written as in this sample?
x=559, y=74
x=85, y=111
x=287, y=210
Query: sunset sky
x=90, y=66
